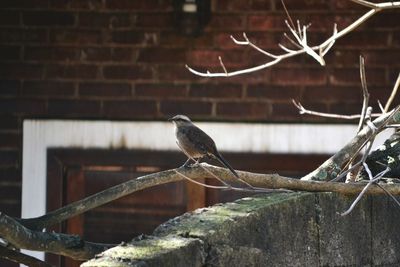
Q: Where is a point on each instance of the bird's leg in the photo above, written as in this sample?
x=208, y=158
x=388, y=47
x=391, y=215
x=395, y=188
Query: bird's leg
x=197, y=162
x=186, y=164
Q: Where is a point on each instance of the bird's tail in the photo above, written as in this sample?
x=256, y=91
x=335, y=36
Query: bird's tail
x=225, y=163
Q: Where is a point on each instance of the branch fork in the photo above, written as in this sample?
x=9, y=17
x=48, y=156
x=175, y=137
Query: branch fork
x=300, y=41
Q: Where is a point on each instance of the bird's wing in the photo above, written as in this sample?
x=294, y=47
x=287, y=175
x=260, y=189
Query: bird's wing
x=202, y=140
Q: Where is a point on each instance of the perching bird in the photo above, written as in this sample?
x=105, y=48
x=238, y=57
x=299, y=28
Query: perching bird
x=195, y=143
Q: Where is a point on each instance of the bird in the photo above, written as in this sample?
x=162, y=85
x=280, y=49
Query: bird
x=195, y=143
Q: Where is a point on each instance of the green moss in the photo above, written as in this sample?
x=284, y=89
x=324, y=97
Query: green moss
x=209, y=224
x=321, y=175
x=147, y=248
x=220, y=217
x=396, y=117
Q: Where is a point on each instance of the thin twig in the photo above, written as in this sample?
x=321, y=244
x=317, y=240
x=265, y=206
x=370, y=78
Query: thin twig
x=324, y=50
x=393, y=94
x=222, y=64
x=287, y=14
x=389, y=194
x=372, y=180
x=365, y=93
x=365, y=112
x=199, y=183
x=191, y=158
x=303, y=110
x=251, y=190
x=213, y=175
x=356, y=200
x=369, y=141
x=291, y=41
x=344, y=173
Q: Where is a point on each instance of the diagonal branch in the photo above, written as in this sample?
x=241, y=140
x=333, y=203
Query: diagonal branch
x=271, y=181
x=393, y=94
x=100, y=198
x=372, y=180
x=333, y=166
x=67, y=245
x=18, y=257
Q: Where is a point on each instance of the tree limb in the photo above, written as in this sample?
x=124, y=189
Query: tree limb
x=271, y=181
x=100, y=198
x=61, y=244
x=16, y=256
x=303, y=110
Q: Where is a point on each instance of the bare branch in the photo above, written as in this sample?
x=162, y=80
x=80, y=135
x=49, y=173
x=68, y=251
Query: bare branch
x=251, y=44
x=222, y=65
x=284, y=48
x=364, y=3
x=299, y=29
x=356, y=200
x=389, y=194
x=252, y=189
x=291, y=40
x=372, y=181
x=300, y=36
x=303, y=110
x=324, y=50
x=18, y=257
x=270, y=181
x=287, y=14
x=67, y=245
x=365, y=93
x=393, y=94
x=380, y=106
x=370, y=176
x=99, y=199
x=365, y=112
x=333, y=166
x=201, y=184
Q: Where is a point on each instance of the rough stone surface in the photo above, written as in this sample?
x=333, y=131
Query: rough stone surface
x=344, y=240
x=279, y=225
x=299, y=229
x=153, y=251
x=385, y=232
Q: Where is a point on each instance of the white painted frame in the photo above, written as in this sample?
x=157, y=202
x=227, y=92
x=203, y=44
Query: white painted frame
x=39, y=135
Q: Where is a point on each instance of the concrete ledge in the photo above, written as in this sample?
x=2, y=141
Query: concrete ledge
x=153, y=251
x=299, y=229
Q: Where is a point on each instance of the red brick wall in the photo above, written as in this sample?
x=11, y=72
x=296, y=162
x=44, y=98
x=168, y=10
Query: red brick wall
x=123, y=60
